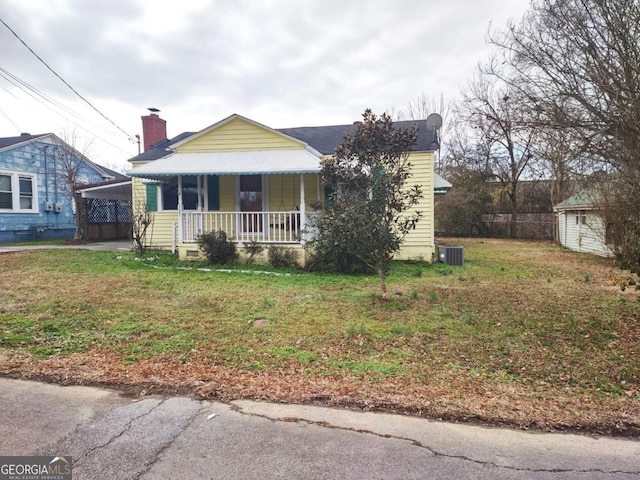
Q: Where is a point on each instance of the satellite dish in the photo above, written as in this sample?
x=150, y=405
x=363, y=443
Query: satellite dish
x=434, y=121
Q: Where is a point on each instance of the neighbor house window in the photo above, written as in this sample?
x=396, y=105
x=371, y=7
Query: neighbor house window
x=26, y=193
x=18, y=192
x=6, y=197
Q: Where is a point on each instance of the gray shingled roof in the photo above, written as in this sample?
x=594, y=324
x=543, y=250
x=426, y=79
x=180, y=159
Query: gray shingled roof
x=323, y=139
x=117, y=176
x=9, y=141
x=326, y=139
x=159, y=150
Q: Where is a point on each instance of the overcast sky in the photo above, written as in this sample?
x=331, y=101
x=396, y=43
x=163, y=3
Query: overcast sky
x=283, y=63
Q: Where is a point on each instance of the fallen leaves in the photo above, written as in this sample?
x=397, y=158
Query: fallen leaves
x=446, y=397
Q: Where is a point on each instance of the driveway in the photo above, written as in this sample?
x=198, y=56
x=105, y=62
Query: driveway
x=111, y=436
x=110, y=246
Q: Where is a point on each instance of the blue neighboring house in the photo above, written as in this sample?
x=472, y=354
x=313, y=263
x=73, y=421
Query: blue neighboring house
x=35, y=201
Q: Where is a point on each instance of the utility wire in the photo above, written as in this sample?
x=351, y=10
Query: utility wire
x=34, y=93
x=65, y=82
x=11, y=121
x=9, y=92
x=18, y=82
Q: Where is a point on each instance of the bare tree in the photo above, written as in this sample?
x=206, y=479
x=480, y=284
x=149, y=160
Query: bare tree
x=420, y=108
x=578, y=64
x=465, y=149
x=561, y=165
x=141, y=220
x=493, y=112
x=70, y=160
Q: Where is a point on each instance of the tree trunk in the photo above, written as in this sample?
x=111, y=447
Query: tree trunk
x=513, y=224
x=82, y=216
x=383, y=283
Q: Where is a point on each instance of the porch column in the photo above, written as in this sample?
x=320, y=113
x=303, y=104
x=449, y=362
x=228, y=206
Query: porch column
x=303, y=219
x=200, y=189
x=180, y=219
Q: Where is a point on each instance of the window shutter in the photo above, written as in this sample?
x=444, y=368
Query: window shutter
x=152, y=197
x=213, y=192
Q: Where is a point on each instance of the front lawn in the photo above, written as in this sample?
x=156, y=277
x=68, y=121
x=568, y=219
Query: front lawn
x=523, y=334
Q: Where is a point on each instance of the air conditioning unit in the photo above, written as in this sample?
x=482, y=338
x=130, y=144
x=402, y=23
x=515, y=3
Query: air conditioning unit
x=451, y=255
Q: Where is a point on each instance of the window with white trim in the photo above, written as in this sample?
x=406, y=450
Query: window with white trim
x=169, y=194
x=18, y=192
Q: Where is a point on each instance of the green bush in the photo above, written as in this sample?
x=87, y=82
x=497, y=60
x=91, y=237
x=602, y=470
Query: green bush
x=282, y=257
x=217, y=248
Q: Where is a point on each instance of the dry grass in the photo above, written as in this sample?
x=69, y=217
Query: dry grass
x=523, y=334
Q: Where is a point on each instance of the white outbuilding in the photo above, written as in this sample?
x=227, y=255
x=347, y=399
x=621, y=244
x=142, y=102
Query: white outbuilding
x=580, y=228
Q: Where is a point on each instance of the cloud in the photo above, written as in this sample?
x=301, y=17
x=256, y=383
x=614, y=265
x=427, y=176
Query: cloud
x=288, y=62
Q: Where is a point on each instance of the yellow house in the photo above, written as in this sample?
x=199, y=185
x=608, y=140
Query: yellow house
x=254, y=183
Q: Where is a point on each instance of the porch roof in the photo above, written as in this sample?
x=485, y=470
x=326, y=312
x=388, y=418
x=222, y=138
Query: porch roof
x=230, y=163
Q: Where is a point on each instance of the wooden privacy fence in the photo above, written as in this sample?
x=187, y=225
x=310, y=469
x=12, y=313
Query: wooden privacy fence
x=106, y=219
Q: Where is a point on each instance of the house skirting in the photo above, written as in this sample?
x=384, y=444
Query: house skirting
x=190, y=251
x=416, y=253
x=36, y=233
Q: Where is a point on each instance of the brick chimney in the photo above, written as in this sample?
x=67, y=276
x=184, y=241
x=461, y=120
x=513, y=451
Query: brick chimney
x=154, y=129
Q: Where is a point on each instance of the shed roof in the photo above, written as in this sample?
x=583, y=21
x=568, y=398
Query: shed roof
x=583, y=200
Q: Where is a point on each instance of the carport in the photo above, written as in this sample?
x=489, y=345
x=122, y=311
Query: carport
x=105, y=210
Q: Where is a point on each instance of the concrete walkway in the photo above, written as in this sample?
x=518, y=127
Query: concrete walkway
x=110, y=246
x=114, y=437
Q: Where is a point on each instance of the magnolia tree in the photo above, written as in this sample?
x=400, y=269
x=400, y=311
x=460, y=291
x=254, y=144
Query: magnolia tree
x=370, y=206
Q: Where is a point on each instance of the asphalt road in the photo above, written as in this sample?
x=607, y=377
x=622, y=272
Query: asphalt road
x=111, y=436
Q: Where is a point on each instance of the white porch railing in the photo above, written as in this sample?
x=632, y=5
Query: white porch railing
x=263, y=227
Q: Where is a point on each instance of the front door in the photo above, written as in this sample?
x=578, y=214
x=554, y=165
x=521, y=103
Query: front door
x=251, y=202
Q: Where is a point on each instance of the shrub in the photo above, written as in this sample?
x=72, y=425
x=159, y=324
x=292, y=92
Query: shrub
x=252, y=249
x=217, y=248
x=282, y=257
